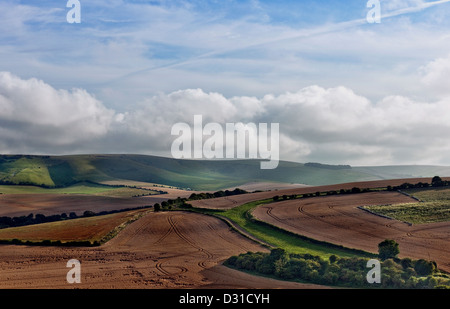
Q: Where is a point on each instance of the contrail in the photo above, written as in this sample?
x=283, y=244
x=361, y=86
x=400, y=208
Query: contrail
x=418, y=8
x=299, y=34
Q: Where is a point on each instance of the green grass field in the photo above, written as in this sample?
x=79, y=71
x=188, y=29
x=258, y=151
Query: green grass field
x=202, y=175
x=80, y=188
x=434, y=207
x=431, y=194
x=26, y=170
x=280, y=238
x=416, y=213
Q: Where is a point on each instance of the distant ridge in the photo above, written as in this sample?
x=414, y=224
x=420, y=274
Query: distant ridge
x=61, y=171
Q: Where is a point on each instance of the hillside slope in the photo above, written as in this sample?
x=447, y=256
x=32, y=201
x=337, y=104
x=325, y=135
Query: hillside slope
x=62, y=171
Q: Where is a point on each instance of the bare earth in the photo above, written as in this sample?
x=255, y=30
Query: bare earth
x=185, y=250
x=337, y=219
x=50, y=204
x=237, y=200
x=159, y=251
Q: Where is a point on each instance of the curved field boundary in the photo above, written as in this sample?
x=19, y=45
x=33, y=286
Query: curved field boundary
x=410, y=195
x=339, y=221
x=269, y=231
x=224, y=203
x=244, y=232
x=325, y=244
x=382, y=216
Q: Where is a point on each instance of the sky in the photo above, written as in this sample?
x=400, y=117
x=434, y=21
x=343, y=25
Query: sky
x=343, y=90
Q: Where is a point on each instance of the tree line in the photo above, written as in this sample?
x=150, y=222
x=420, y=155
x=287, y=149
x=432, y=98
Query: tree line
x=220, y=193
x=30, y=219
x=343, y=271
x=6, y=221
x=181, y=202
x=435, y=182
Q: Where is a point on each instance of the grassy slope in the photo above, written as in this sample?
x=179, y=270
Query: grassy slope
x=404, y=171
x=79, y=188
x=198, y=175
x=25, y=170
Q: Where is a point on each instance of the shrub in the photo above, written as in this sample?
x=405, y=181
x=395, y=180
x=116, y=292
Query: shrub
x=406, y=263
x=388, y=249
x=424, y=267
x=232, y=260
x=356, y=190
x=265, y=266
x=88, y=213
x=344, y=271
x=333, y=258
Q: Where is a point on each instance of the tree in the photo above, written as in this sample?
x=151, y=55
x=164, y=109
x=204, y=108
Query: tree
x=356, y=190
x=157, y=207
x=388, y=249
x=39, y=218
x=333, y=258
x=424, y=267
x=436, y=181
x=88, y=213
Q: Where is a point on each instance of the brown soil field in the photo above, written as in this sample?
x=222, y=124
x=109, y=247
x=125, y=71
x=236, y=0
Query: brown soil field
x=337, y=219
x=159, y=251
x=237, y=200
x=49, y=204
x=265, y=186
x=87, y=228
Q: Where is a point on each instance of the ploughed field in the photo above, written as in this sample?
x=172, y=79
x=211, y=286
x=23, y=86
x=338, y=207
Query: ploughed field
x=178, y=249
x=228, y=202
x=160, y=250
x=337, y=219
x=22, y=204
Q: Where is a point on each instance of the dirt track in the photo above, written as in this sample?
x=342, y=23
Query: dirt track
x=161, y=250
x=337, y=219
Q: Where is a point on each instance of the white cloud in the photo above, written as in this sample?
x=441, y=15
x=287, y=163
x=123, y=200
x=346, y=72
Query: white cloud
x=37, y=114
x=436, y=76
x=331, y=125
x=335, y=125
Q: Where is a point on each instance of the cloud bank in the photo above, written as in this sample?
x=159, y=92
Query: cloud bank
x=332, y=125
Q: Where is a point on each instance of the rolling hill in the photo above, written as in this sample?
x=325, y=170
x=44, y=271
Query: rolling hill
x=61, y=171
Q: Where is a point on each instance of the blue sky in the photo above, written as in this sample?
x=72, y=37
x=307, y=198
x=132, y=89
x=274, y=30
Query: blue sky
x=257, y=40
x=131, y=58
